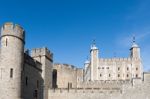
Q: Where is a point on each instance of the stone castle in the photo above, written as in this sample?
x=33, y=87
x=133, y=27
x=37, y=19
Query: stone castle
x=25, y=75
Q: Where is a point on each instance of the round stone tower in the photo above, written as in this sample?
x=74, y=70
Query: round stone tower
x=12, y=60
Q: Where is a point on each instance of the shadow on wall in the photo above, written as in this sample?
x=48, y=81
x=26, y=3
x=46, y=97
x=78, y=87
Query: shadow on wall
x=32, y=81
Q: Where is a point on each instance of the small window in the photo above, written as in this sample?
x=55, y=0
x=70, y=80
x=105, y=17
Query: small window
x=26, y=81
x=118, y=75
x=100, y=75
x=118, y=68
x=136, y=75
x=109, y=75
x=102, y=67
x=6, y=42
x=107, y=67
x=136, y=69
x=127, y=68
x=127, y=75
x=11, y=73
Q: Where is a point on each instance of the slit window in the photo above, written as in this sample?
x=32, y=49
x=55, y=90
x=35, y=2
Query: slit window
x=26, y=81
x=11, y=73
x=6, y=41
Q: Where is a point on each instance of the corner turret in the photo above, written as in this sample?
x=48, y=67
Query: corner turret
x=137, y=68
x=12, y=60
x=135, y=50
x=94, y=61
x=15, y=30
x=86, y=64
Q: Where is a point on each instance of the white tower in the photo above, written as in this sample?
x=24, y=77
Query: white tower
x=11, y=62
x=94, y=62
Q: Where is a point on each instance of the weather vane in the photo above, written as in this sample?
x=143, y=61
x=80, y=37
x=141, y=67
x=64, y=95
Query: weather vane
x=133, y=38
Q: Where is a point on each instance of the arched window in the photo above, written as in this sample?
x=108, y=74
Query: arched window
x=100, y=75
x=127, y=75
x=127, y=68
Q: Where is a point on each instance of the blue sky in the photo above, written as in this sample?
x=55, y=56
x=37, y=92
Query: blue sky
x=67, y=27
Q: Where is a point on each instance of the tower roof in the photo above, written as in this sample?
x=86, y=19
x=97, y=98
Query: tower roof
x=134, y=45
x=87, y=62
x=93, y=46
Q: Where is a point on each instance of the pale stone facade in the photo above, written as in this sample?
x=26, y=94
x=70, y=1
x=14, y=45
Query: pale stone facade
x=68, y=76
x=23, y=76
x=34, y=76
x=114, y=68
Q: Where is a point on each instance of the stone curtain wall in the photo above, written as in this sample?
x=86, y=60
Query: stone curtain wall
x=136, y=89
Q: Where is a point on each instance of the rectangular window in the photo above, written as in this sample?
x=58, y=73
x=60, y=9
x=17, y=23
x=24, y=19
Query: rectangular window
x=11, y=73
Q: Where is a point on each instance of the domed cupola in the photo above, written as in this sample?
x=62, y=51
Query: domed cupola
x=134, y=45
x=135, y=50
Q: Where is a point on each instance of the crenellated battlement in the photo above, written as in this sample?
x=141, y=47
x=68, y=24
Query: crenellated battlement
x=15, y=30
x=38, y=52
x=65, y=66
x=31, y=62
x=114, y=59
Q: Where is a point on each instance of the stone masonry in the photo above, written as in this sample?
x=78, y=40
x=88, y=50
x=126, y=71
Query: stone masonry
x=33, y=75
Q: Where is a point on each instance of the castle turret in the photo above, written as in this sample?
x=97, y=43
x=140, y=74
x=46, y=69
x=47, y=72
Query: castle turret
x=11, y=62
x=94, y=62
x=45, y=57
x=135, y=50
x=86, y=64
x=137, y=68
